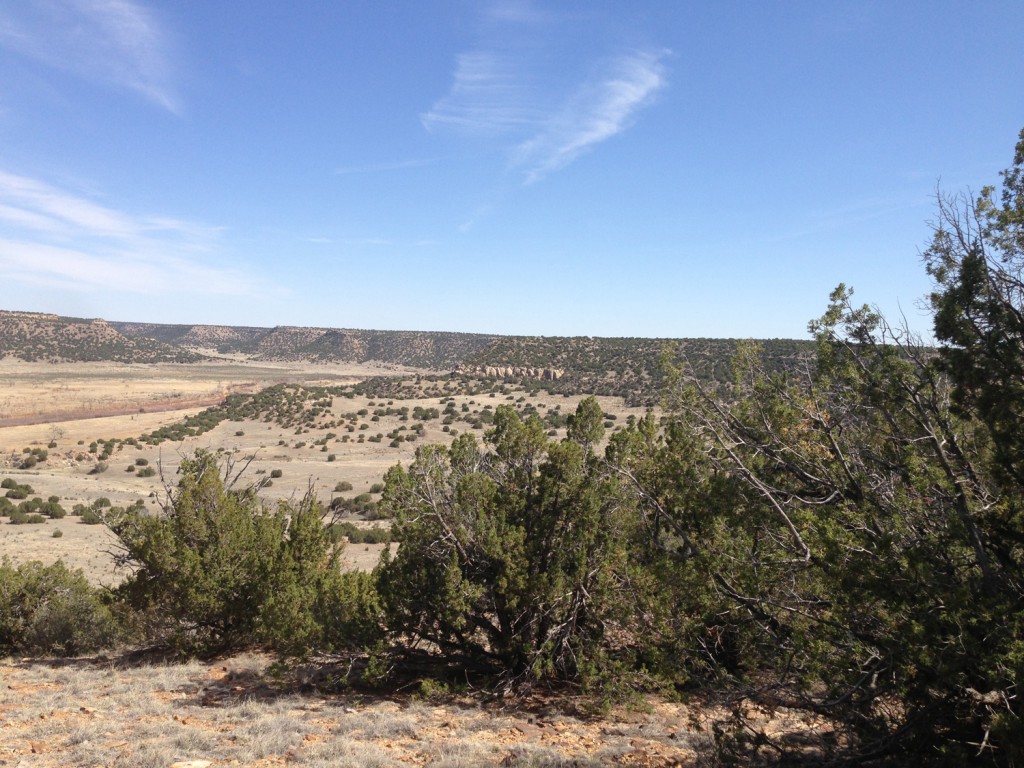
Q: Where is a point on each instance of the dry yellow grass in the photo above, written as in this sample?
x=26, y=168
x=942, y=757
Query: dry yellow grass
x=98, y=712
x=71, y=387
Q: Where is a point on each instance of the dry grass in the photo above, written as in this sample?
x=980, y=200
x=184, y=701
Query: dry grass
x=99, y=712
x=77, y=386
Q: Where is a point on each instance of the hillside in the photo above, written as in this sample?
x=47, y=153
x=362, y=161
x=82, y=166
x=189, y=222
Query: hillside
x=628, y=367
x=33, y=337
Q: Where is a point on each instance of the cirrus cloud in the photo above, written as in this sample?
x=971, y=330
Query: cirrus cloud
x=112, y=42
x=50, y=236
x=507, y=87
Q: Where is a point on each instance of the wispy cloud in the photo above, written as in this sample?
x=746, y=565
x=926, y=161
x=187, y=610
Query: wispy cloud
x=516, y=87
x=599, y=111
x=50, y=236
x=490, y=95
x=113, y=42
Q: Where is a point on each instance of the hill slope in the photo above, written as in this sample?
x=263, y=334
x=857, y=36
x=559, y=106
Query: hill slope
x=629, y=367
x=34, y=336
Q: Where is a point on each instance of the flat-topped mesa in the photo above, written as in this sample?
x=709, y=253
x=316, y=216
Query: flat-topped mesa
x=511, y=371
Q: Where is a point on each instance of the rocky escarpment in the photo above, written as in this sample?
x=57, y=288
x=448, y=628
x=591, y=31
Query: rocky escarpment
x=511, y=371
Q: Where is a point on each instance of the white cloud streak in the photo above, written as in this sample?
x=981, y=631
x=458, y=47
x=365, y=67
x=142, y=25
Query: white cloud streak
x=496, y=92
x=598, y=112
x=112, y=42
x=51, y=237
x=489, y=96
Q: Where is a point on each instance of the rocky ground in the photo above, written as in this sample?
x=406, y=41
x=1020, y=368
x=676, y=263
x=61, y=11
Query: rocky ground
x=109, y=712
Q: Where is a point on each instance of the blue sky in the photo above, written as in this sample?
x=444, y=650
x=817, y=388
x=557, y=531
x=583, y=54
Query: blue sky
x=668, y=169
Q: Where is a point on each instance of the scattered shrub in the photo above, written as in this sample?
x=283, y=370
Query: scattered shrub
x=221, y=571
x=48, y=609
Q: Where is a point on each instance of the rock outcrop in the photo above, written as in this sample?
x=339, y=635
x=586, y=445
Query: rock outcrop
x=511, y=372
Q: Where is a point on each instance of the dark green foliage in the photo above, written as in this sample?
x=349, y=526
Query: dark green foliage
x=356, y=535
x=362, y=505
x=219, y=570
x=976, y=259
x=16, y=490
x=512, y=562
x=48, y=609
x=38, y=507
x=855, y=546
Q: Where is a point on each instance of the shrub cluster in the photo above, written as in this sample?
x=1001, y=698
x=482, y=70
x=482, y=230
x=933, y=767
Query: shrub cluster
x=53, y=610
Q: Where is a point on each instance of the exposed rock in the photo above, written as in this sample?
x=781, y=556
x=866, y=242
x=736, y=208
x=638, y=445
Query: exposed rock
x=511, y=371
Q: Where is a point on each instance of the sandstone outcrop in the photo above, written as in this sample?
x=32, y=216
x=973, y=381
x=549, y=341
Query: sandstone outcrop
x=511, y=372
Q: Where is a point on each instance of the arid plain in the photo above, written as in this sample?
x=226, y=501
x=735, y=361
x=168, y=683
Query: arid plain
x=112, y=711
x=71, y=405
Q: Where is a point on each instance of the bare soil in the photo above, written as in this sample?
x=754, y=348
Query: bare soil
x=100, y=712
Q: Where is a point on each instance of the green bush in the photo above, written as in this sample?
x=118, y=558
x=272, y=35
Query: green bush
x=342, y=486
x=514, y=562
x=146, y=472
x=276, y=473
x=57, y=533
x=48, y=609
x=221, y=571
x=356, y=535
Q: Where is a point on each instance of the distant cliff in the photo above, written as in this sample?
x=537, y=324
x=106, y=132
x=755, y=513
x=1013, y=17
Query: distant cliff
x=630, y=367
